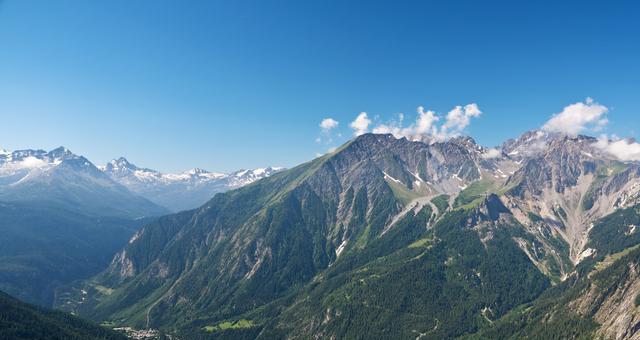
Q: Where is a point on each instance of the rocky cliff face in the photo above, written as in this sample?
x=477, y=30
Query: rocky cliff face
x=615, y=306
x=557, y=168
x=569, y=185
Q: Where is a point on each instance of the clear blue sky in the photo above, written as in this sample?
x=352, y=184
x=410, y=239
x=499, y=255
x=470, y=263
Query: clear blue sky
x=241, y=84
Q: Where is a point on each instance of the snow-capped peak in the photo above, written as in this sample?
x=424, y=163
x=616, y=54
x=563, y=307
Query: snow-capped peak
x=204, y=173
x=194, y=175
x=22, y=164
x=60, y=154
x=196, y=171
x=119, y=165
x=244, y=177
x=55, y=156
x=259, y=171
x=127, y=173
x=183, y=190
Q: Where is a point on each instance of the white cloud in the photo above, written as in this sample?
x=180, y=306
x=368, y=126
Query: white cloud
x=32, y=163
x=491, y=153
x=426, y=127
x=425, y=121
x=460, y=117
x=622, y=149
x=29, y=162
x=578, y=117
x=361, y=124
x=327, y=127
x=457, y=120
x=328, y=124
x=423, y=126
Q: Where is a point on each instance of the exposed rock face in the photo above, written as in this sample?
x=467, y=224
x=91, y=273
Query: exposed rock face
x=557, y=168
x=442, y=167
x=528, y=145
x=491, y=208
x=623, y=188
x=569, y=183
x=614, y=308
x=122, y=264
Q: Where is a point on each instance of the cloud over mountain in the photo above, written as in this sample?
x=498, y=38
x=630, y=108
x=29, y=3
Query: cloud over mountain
x=578, y=117
x=491, y=153
x=426, y=127
x=622, y=149
x=361, y=124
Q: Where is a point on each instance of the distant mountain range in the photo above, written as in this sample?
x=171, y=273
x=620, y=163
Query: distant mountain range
x=62, y=218
x=183, y=191
x=61, y=177
x=391, y=238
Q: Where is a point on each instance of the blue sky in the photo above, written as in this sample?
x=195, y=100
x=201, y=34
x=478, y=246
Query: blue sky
x=178, y=84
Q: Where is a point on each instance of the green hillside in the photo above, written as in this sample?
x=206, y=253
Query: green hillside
x=21, y=321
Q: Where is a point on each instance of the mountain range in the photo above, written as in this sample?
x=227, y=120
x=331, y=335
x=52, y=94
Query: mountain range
x=183, y=191
x=61, y=177
x=62, y=218
x=392, y=238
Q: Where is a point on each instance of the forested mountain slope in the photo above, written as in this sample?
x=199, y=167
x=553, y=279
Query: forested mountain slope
x=20, y=321
x=600, y=300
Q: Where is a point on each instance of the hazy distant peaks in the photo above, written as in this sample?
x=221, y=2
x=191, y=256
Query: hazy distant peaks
x=33, y=159
x=180, y=191
x=123, y=165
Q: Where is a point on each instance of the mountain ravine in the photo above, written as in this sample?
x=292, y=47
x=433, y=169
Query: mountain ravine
x=391, y=238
